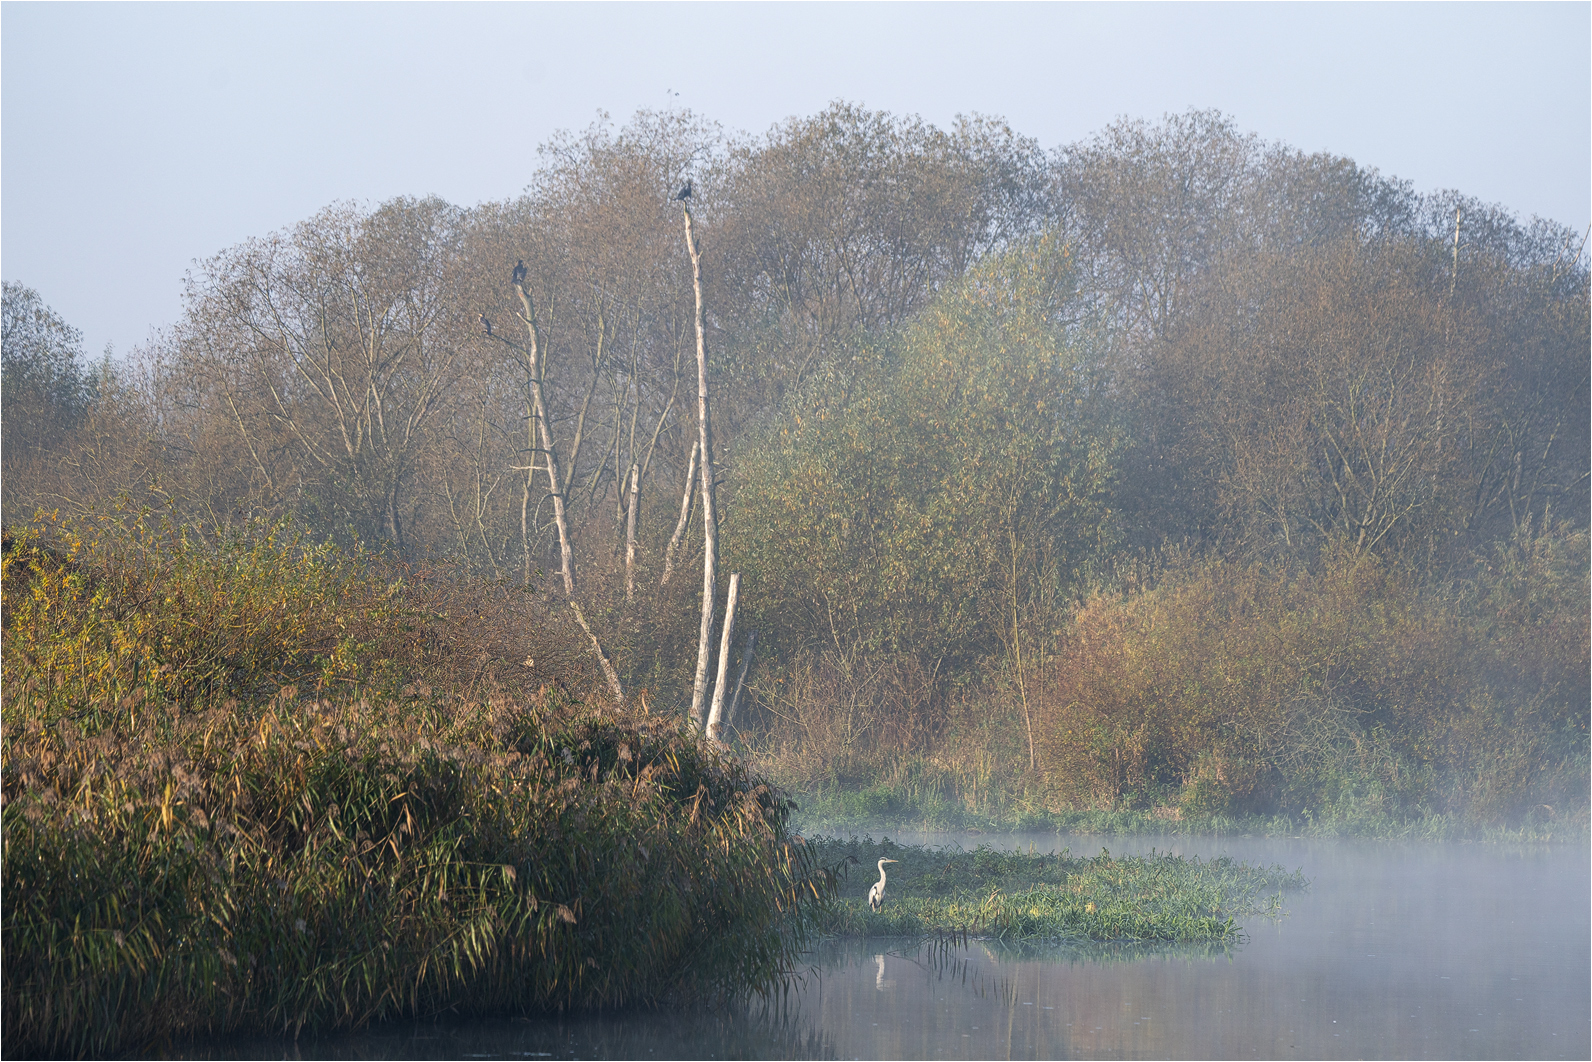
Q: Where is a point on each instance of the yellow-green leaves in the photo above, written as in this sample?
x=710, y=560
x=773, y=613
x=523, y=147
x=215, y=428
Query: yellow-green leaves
x=883, y=508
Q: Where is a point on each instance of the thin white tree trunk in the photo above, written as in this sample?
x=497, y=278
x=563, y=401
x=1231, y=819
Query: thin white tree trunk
x=608, y=668
x=685, y=514
x=710, y=522
x=525, y=506
x=630, y=533
x=550, y=452
x=721, y=681
x=1017, y=650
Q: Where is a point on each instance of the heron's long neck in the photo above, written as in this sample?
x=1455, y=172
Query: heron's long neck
x=881, y=875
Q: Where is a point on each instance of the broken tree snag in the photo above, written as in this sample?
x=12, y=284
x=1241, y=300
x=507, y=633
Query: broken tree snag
x=685, y=514
x=740, y=683
x=549, y=451
x=630, y=533
x=608, y=668
x=710, y=520
x=716, y=716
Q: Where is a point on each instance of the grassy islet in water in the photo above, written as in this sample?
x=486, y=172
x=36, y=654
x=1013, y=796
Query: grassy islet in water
x=1056, y=897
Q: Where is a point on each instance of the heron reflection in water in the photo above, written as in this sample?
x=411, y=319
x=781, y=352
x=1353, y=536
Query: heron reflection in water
x=876, y=894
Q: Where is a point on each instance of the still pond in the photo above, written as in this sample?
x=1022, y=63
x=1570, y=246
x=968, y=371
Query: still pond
x=1393, y=951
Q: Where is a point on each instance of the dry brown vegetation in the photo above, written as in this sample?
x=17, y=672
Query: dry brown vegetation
x=1231, y=687
x=258, y=785
x=1115, y=440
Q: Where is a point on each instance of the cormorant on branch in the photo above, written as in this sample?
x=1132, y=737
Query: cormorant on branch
x=519, y=271
x=485, y=323
x=684, y=193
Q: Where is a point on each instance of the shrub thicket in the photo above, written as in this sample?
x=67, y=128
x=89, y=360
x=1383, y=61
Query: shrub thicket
x=1351, y=684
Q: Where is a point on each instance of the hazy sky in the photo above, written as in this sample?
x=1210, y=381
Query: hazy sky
x=137, y=138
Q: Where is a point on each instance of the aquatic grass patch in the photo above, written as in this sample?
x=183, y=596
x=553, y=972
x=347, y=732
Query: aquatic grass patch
x=1053, y=897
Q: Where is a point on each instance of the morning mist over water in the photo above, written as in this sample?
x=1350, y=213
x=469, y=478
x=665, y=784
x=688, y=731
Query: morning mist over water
x=509, y=623
x=1394, y=950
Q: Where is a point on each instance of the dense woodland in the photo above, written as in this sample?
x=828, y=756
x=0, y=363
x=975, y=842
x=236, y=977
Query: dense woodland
x=1171, y=468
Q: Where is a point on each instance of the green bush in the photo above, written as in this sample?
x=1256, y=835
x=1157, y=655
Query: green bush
x=951, y=474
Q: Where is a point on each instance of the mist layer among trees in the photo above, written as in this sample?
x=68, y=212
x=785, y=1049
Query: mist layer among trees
x=1171, y=468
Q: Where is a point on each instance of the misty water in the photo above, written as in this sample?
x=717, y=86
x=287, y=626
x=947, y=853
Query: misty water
x=1394, y=951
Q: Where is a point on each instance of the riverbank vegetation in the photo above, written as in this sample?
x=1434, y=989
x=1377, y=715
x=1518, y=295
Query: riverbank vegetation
x=1055, y=897
x=1345, y=700
x=1171, y=478
x=258, y=784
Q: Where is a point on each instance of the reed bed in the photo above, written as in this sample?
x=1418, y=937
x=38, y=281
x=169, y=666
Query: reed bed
x=183, y=858
x=1058, y=897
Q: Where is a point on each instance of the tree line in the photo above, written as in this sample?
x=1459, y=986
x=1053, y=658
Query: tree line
x=960, y=382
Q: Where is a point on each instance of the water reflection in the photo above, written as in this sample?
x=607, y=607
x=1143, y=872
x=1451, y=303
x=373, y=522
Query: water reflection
x=1415, y=951
x=985, y=999
x=743, y=1033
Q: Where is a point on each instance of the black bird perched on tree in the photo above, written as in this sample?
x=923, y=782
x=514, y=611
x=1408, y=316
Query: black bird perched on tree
x=519, y=271
x=683, y=194
x=485, y=323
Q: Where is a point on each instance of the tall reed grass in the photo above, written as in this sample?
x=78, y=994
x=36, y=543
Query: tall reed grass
x=186, y=853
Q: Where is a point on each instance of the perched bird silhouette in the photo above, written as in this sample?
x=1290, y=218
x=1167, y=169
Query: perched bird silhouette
x=684, y=193
x=519, y=271
x=485, y=323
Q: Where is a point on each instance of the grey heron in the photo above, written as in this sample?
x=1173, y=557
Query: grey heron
x=876, y=894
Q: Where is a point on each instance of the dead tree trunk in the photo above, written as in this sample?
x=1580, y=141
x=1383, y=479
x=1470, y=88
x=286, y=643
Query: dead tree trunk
x=716, y=715
x=630, y=533
x=710, y=522
x=609, y=673
x=1017, y=652
x=525, y=498
x=549, y=451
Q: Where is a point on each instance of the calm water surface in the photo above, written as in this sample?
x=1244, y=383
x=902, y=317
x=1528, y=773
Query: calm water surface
x=1394, y=951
